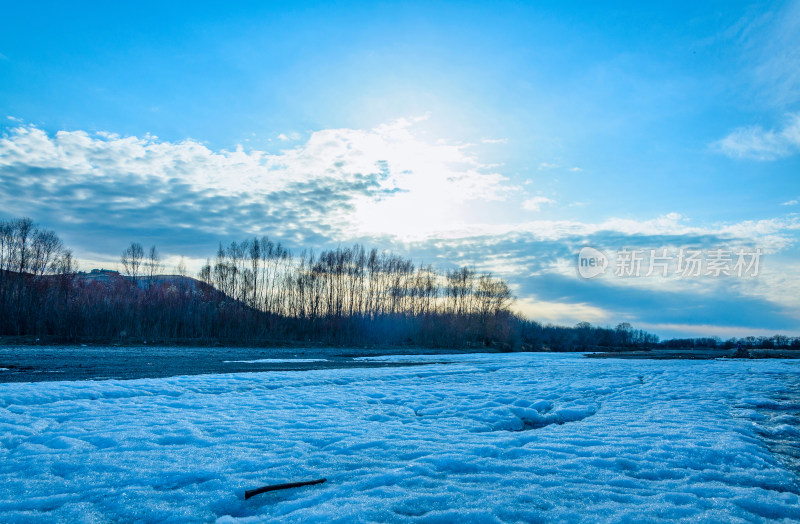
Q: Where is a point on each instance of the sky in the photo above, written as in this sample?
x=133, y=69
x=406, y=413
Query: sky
x=506, y=136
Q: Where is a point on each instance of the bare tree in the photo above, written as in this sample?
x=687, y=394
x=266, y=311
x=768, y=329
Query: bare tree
x=45, y=248
x=23, y=229
x=154, y=266
x=6, y=246
x=131, y=260
x=255, y=268
x=180, y=269
x=206, y=273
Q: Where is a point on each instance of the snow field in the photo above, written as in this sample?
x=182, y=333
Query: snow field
x=467, y=438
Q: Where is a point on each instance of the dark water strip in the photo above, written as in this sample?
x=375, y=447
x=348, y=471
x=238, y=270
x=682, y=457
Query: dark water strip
x=53, y=363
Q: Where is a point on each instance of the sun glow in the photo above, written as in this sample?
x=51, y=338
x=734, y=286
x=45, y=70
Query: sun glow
x=428, y=184
x=407, y=216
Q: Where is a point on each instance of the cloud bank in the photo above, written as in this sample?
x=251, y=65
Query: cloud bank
x=322, y=189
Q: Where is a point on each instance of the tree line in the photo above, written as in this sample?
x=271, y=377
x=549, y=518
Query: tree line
x=349, y=282
x=258, y=292
x=253, y=292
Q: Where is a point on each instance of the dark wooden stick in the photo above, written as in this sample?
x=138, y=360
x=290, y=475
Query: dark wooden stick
x=275, y=487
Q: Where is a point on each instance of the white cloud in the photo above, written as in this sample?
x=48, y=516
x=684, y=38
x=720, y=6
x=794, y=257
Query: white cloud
x=756, y=143
x=548, y=165
x=536, y=203
x=792, y=202
x=340, y=182
x=773, y=234
x=494, y=140
x=283, y=137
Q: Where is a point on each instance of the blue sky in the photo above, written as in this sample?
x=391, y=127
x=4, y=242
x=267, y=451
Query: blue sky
x=502, y=135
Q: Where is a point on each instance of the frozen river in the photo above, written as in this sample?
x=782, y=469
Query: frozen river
x=466, y=438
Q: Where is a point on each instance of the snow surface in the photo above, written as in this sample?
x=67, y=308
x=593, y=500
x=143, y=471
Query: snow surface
x=277, y=360
x=481, y=438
